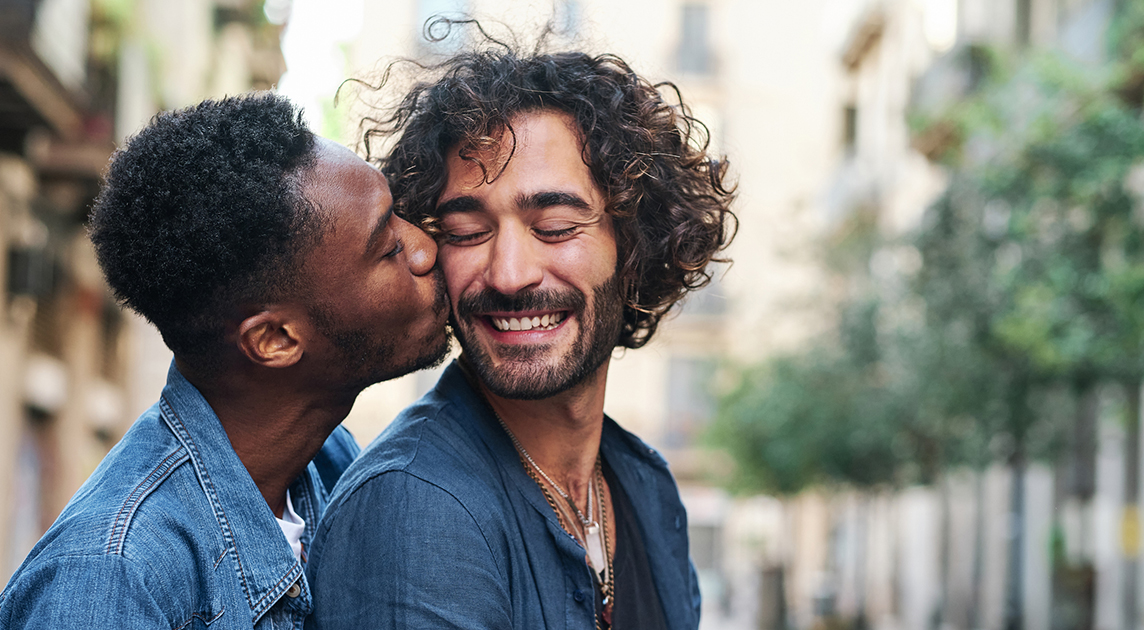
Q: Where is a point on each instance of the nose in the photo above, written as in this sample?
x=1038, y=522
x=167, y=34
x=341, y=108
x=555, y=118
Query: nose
x=513, y=265
x=420, y=249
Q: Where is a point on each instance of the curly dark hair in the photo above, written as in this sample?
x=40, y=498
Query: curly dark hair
x=667, y=196
x=202, y=213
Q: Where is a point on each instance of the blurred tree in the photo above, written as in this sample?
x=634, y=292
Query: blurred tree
x=1031, y=285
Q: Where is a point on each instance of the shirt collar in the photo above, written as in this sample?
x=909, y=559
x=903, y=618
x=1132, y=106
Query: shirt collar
x=455, y=385
x=266, y=566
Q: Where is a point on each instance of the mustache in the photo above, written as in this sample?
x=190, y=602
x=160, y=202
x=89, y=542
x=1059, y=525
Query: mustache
x=489, y=300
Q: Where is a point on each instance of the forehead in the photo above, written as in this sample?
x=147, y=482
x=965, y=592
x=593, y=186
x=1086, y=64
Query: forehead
x=543, y=150
x=338, y=171
x=343, y=186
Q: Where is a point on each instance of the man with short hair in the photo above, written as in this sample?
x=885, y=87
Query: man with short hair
x=573, y=207
x=273, y=265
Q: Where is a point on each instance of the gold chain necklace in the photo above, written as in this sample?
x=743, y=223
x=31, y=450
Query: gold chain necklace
x=605, y=578
x=606, y=581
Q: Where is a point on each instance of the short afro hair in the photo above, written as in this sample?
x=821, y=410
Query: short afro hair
x=668, y=198
x=202, y=214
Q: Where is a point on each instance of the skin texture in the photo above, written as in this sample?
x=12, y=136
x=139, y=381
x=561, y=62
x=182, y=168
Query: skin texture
x=373, y=309
x=372, y=276
x=535, y=242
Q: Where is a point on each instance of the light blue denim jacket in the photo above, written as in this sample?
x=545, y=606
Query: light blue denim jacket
x=437, y=525
x=170, y=532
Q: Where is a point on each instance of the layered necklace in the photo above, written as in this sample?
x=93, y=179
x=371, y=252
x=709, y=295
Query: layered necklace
x=590, y=533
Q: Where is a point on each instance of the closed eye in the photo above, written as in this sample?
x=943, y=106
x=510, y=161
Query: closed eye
x=557, y=235
x=467, y=238
x=398, y=247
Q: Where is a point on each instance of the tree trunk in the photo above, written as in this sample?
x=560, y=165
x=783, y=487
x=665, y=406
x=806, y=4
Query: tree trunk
x=1015, y=575
x=1130, y=521
x=1019, y=416
x=861, y=539
x=978, y=550
x=942, y=616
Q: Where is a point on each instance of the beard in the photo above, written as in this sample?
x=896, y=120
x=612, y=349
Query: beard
x=368, y=358
x=531, y=372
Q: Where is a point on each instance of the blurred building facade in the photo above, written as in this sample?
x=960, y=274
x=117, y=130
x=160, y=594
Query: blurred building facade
x=809, y=99
x=940, y=557
x=76, y=77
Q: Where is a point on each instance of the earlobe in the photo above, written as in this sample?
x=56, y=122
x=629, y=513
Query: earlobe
x=270, y=340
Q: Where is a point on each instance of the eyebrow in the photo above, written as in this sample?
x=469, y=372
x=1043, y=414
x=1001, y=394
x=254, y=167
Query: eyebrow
x=524, y=201
x=547, y=199
x=378, y=230
x=458, y=204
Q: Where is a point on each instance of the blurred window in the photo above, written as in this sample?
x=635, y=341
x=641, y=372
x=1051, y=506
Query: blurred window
x=1024, y=22
x=689, y=401
x=708, y=301
x=695, y=40
x=850, y=127
x=706, y=547
x=111, y=328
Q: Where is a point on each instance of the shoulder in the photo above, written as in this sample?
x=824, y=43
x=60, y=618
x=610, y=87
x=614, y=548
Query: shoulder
x=644, y=475
x=338, y=452
x=137, y=473
x=120, y=530
x=621, y=443
x=55, y=593
x=429, y=443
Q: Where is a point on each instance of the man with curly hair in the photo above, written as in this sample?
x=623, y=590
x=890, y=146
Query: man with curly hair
x=277, y=272
x=573, y=206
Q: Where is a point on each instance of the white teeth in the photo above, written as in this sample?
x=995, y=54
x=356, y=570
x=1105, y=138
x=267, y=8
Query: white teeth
x=544, y=322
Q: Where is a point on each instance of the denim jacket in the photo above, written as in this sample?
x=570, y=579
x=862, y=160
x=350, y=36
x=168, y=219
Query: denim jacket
x=171, y=532
x=437, y=525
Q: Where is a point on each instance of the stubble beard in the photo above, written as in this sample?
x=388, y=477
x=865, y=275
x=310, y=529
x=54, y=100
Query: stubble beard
x=369, y=359
x=529, y=372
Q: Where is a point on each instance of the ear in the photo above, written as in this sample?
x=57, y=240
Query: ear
x=271, y=338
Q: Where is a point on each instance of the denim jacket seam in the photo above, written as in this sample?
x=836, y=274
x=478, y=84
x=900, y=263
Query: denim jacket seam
x=202, y=617
x=184, y=436
x=260, y=608
x=149, y=484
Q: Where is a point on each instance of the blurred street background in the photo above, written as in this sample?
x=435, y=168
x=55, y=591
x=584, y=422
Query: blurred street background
x=913, y=402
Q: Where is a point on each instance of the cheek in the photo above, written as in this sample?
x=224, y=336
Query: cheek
x=588, y=262
x=462, y=269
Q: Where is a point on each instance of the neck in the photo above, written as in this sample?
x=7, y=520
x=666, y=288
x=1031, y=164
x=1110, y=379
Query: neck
x=561, y=433
x=275, y=424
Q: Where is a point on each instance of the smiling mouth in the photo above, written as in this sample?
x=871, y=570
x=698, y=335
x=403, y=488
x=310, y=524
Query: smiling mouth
x=548, y=321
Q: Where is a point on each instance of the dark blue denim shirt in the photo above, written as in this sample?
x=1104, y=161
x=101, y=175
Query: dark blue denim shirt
x=170, y=531
x=437, y=525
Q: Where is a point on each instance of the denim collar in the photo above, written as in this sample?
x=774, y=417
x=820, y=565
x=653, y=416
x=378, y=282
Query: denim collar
x=262, y=558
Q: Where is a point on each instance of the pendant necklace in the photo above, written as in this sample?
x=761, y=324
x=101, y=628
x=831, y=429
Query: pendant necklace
x=595, y=533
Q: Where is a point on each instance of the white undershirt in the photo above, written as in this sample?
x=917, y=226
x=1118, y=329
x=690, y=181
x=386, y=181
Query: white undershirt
x=292, y=526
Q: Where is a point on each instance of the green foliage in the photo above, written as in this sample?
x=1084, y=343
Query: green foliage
x=806, y=420
x=1031, y=290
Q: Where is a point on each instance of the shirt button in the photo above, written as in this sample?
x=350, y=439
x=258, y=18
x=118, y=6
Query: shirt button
x=578, y=595
x=294, y=591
